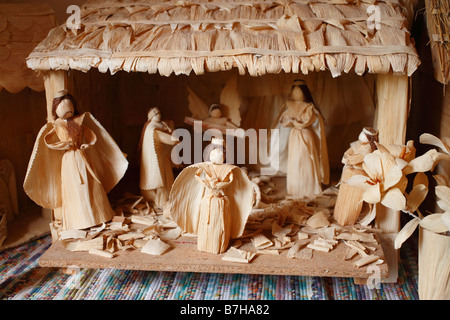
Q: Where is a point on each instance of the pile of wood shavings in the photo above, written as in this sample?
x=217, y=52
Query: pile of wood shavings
x=302, y=227
x=136, y=226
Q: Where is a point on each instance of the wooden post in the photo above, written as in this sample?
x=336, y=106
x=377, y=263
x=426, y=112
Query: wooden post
x=393, y=102
x=54, y=81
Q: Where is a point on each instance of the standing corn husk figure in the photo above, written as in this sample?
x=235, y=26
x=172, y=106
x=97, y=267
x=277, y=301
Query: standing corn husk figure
x=349, y=200
x=308, y=166
x=156, y=175
x=213, y=200
x=74, y=164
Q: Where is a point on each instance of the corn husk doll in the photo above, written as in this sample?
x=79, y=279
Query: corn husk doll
x=349, y=200
x=213, y=200
x=156, y=175
x=74, y=164
x=307, y=164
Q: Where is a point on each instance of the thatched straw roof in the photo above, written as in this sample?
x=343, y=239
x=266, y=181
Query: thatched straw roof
x=257, y=37
x=22, y=27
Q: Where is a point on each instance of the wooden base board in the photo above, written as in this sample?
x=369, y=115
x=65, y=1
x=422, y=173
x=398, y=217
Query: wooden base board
x=184, y=257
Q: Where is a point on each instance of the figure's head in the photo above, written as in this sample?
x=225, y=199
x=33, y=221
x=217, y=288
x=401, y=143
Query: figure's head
x=300, y=91
x=64, y=105
x=216, y=151
x=215, y=111
x=154, y=114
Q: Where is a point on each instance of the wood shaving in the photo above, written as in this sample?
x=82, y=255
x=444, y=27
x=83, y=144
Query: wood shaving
x=155, y=247
x=73, y=234
x=318, y=220
x=101, y=253
x=237, y=255
x=80, y=245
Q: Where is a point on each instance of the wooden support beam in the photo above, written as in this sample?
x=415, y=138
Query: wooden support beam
x=54, y=81
x=392, y=110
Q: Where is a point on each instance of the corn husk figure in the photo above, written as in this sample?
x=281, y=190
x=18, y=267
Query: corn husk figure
x=156, y=175
x=307, y=167
x=213, y=200
x=74, y=164
x=349, y=200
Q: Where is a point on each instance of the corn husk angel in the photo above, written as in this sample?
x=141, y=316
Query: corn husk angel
x=74, y=164
x=349, y=199
x=221, y=116
x=307, y=166
x=213, y=200
x=156, y=175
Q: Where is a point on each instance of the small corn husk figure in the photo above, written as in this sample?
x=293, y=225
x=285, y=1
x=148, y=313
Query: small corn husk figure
x=213, y=200
x=216, y=117
x=156, y=175
x=74, y=164
x=349, y=202
x=307, y=166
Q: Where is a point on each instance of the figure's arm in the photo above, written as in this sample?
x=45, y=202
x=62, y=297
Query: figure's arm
x=89, y=138
x=165, y=138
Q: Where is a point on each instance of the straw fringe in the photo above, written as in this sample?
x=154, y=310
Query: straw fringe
x=260, y=37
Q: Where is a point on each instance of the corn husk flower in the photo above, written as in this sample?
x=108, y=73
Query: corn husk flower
x=385, y=182
x=434, y=222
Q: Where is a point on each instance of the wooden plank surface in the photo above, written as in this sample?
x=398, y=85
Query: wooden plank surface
x=184, y=257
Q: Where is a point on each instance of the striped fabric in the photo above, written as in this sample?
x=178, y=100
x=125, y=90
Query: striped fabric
x=21, y=278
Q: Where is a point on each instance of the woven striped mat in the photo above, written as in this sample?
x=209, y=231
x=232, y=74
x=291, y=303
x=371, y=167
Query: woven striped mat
x=22, y=278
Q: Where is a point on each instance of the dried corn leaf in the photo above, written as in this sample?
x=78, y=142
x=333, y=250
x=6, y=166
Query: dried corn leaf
x=79, y=245
x=434, y=223
x=394, y=199
x=441, y=180
x=170, y=234
x=350, y=253
x=427, y=138
x=260, y=241
x=318, y=220
x=416, y=197
x=366, y=260
x=238, y=255
x=272, y=252
x=318, y=247
x=279, y=231
x=425, y=162
x=101, y=253
x=145, y=220
x=73, y=234
x=443, y=193
x=130, y=236
x=155, y=247
x=420, y=178
x=446, y=220
x=405, y=233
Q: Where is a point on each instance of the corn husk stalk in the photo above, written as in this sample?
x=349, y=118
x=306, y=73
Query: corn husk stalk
x=349, y=200
x=434, y=265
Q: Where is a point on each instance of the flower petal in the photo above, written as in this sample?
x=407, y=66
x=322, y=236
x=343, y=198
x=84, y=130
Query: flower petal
x=405, y=233
x=394, y=199
x=427, y=138
x=425, y=162
x=392, y=177
x=372, y=194
x=443, y=193
x=420, y=178
x=358, y=181
x=433, y=222
x=446, y=220
x=416, y=197
x=441, y=180
x=372, y=165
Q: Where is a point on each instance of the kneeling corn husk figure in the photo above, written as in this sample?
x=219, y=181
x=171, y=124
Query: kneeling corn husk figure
x=349, y=200
x=213, y=200
x=74, y=164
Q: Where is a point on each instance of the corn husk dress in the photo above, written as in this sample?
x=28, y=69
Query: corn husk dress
x=212, y=201
x=156, y=173
x=349, y=202
x=307, y=164
x=74, y=172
